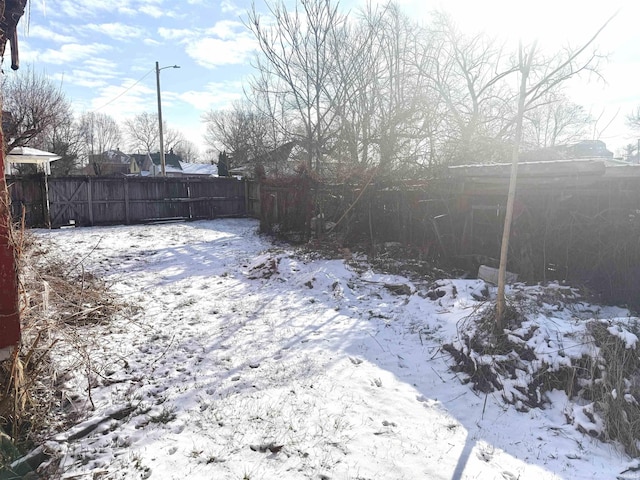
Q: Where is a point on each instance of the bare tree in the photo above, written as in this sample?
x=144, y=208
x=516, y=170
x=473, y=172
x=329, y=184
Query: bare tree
x=629, y=151
x=241, y=131
x=297, y=53
x=172, y=138
x=556, y=121
x=141, y=132
x=65, y=140
x=143, y=135
x=381, y=93
x=99, y=132
x=188, y=151
x=469, y=74
x=35, y=105
x=539, y=76
x=633, y=119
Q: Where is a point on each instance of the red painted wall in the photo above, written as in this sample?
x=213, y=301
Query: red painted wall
x=9, y=309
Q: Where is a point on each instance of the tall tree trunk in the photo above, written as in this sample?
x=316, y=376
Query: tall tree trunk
x=524, y=67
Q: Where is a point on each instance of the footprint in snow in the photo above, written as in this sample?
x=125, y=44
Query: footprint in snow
x=485, y=454
x=355, y=361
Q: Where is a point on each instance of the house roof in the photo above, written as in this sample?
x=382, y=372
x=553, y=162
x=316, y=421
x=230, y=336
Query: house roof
x=116, y=156
x=199, y=169
x=31, y=155
x=582, y=149
x=170, y=160
x=139, y=158
x=540, y=176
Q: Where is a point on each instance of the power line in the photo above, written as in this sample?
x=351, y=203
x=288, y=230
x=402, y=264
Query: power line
x=125, y=91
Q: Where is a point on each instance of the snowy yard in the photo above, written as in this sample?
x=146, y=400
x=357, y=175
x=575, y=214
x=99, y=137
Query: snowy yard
x=251, y=361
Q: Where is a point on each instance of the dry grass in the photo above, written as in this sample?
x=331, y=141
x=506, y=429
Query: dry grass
x=616, y=389
x=58, y=301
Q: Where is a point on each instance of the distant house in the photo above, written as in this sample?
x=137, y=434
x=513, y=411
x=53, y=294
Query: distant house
x=139, y=164
x=109, y=163
x=581, y=150
x=273, y=162
x=115, y=162
x=171, y=162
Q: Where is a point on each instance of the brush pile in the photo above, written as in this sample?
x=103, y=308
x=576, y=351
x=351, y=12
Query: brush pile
x=555, y=342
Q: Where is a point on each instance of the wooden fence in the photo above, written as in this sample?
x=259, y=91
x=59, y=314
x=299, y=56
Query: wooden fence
x=578, y=223
x=86, y=201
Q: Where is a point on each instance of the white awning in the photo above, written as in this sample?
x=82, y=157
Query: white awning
x=32, y=155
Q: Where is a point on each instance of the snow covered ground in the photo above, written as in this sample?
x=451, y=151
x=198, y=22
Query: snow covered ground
x=251, y=361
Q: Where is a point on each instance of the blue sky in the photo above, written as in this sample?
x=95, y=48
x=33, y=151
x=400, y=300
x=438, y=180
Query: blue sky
x=103, y=53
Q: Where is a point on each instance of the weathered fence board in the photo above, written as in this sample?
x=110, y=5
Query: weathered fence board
x=563, y=229
x=86, y=201
x=583, y=230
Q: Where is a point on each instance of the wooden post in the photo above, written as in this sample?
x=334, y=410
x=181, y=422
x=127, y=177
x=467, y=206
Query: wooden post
x=9, y=305
x=247, y=212
x=90, y=199
x=47, y=204
x=189, y=200
x=126, y=201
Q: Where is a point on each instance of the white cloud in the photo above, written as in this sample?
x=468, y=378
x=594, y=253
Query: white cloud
x=124, y=100
x=152, y=11
x=228, y=6
x=100, y=66
x=69, y=53
x=38, y=31
x=179, y=34
x=90, y=9
x=214, y=52
x=227, y=29
x=226, y=43
x=215, y=96
x=80, y=79
x=118, y=31
x=73, y=9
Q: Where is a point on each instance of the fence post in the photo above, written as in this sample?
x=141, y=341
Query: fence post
x=189, y=199
x=90, y=199
x=126, y=200
x=246, y=196
x=9, y=311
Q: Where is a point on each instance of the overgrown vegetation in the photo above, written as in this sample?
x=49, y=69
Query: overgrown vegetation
x=60, y=303
x=600, y=372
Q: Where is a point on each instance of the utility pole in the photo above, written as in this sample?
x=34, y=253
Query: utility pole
x=162, y=160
